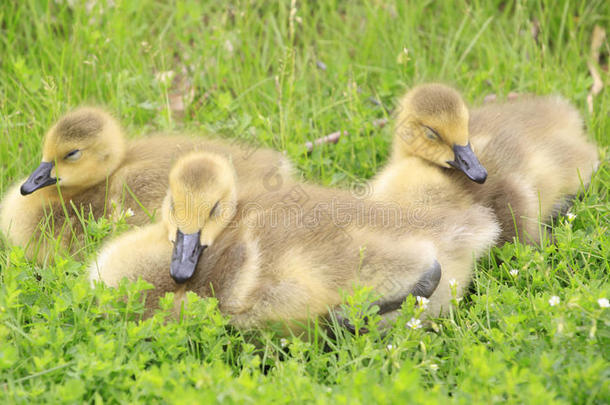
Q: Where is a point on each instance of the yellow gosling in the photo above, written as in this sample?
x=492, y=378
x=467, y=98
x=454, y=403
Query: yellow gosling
x=286, y=256
x=88, y=168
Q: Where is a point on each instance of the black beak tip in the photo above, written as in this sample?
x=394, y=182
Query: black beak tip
x=187, y=250
x=428, y=283
x=479, y=177
x=467, y=162
x=180, y=279
x=182, y=272
x=41, y=177
x=25, y=190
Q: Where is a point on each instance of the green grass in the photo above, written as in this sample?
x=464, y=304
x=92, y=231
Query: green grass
x=253, y=72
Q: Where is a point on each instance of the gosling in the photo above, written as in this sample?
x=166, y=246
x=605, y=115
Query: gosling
x=286, y=257
x=89, y=169
x=532, y=155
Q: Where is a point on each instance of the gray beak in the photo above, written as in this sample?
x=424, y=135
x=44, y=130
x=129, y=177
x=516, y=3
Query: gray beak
x=41, y=177
x=187, y=250
x=466, y=161
x=424, y=287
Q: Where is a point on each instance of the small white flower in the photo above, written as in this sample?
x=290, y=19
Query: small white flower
x=554, y=300
x=91, y=61
x=414, y=323
x=389, y=347
x=453, y=283
x=165, y=77
x=514, y=272
x=422, y=302
x=603, y=302
x=283, y=342
x=433, y=367
x=403, y=57
x=229, y=46
x=570, y=216
x=129, y=213
x=145, y=46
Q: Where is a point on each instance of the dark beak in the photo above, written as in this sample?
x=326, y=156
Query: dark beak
x=466, y=161
x=39, y=179
x=424, y=287
x=187, y=250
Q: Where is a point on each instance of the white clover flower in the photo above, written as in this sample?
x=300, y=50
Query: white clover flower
x=414, y=323
x=422, y=302
x=514, y=272
x=165, y=77
x=403, y=57
x=229, y=46
x=603, y=302
x=453, y=283
x=554, y=300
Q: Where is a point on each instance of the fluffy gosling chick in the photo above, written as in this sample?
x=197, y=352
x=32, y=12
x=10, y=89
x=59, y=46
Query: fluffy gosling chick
x=269, y=260
x=88, y=168
x=533, y=153
x=431, y=140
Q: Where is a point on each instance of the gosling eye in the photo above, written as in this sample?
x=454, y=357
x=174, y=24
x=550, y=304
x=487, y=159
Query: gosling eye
x=73, y=155
x=213, y=210
x=432, y=134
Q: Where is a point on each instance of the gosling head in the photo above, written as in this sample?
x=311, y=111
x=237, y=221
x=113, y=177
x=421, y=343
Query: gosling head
x=200, y=204
x=432, y=123
x=80, y=150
